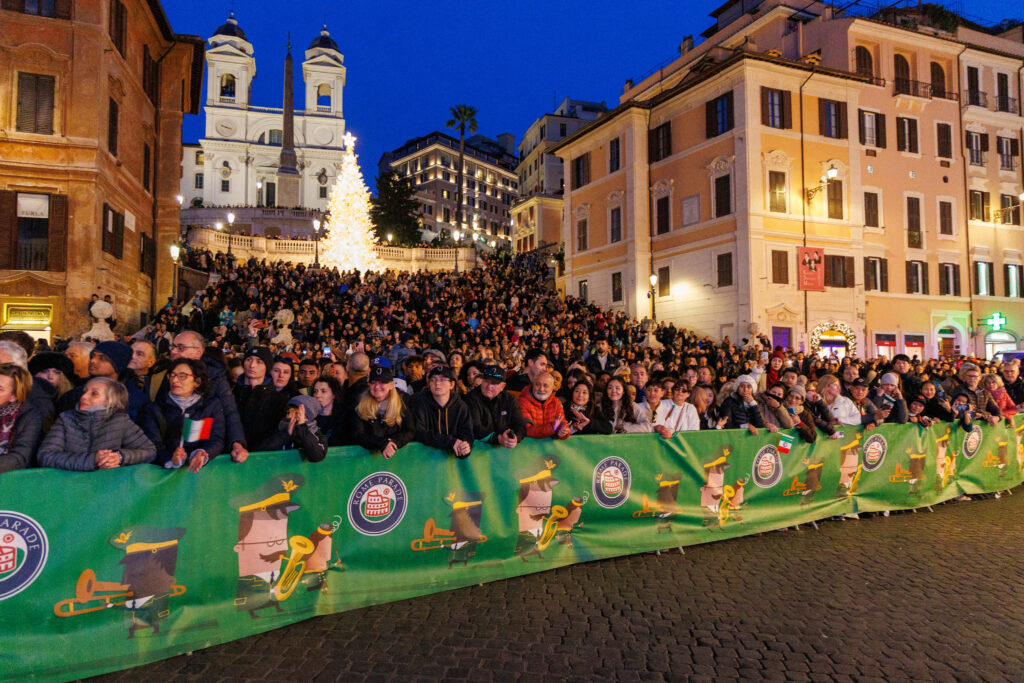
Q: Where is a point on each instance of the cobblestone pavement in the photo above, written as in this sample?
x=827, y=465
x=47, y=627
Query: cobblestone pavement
x=916, y=596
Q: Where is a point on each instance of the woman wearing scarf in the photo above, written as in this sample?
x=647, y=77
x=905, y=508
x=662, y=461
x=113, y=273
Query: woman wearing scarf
x=186, y=423
x=21, y=426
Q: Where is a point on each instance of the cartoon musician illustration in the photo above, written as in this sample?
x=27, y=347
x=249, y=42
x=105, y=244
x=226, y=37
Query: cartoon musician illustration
x=462, y=539
x=263, y=544
x=849, y=468
x=147, y=581
x=318, y=563
x=538, y=518
x=811, y=483
x=913, y=474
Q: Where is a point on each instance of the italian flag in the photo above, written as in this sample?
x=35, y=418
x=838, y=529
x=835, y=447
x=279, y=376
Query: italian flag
x=196, y=430
x=785, y=443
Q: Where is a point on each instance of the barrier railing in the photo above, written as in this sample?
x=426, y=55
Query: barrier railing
x=127, y=566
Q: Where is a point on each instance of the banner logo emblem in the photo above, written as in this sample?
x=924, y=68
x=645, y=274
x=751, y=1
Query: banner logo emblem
x=874, y=452
x=23, y=552
x=972, y=442
x=767, y=470
x=612, y=479
x=377, y=504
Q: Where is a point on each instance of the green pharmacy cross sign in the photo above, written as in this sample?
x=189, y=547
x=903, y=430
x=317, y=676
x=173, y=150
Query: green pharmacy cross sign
x=996, y=321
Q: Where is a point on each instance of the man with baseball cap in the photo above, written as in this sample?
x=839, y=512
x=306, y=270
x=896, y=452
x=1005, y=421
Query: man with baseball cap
x=260, y=406
x=496, y=415
x=440, y=417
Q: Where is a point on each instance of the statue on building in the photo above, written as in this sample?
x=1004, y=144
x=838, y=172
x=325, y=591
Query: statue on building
x=283, y=323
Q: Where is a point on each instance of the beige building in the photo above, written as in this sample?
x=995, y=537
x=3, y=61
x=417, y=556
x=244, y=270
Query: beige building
x=799, y=174
x=537, y=216
x=92, y=95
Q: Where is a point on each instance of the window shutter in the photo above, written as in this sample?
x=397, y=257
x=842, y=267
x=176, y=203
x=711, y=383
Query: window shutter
x=848, y=271
x=924, y=277
x=62, y=9
x=764, y=106
x=730, y=121
x=869, y=275
x=8, y=227
x=984, y=142
x=901, y=134
x=44, y=105
x=884, y=272
x=880, y=129
x=586, y=168
x=945, y=144
x=943, y=279
x=822, y=121
x=14, y=5
x=910, y=277
x=118, y=242
x=912, y=138
x=984, y=206
x=57, y=240
x=26, y=102
x=1014, y=147
x=668, y=138
x=861, y=114
x=991, y=280
x=843, y=123
x=106, y=228
x=956, y=279
x=787, y=109
x=709, y=119
x=967, y=139
x=1007, y=274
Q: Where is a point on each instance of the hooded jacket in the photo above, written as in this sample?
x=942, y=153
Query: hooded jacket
x=77, y=435
x=440, y=426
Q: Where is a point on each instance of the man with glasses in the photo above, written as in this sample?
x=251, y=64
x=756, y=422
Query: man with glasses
x=1013, y=382
x=442, y=419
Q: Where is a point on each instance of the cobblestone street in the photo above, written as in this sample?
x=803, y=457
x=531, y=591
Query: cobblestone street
x=916, y=596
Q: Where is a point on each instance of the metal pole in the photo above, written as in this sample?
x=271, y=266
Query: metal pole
x=316, y=256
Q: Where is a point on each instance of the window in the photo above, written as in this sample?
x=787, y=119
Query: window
x=944, y=141
x=199, y=157
x=660, y=142
x=876, y=274
x=150, y=75
x=615, y=225
x=1003, y=100
x=581, y=235
x=613, y=156
x=146, y=161
x=718, y=115
x=917, y=277
x=112, y=127
x=322, y=192
x=1009, y=209
x=584, y=288
x=865, y=63
x=147, y=255
x=275, y=137
x=983, y=278
x=198, y=183
x=914, y=240
x=1008, y=150
x=871, y=209
x=906, y=135
x=691, y=210
x=29, y=221
x=55, y=9
x=616, y=286
x=945, y=218
x=977, y=145
x=901, y=71
x=974, y=94
x=777, y=191
x=938, y=76
x=776, y=108
x=117, y=24
x=581, y=170
x=1013, y=285
x=447, y=215
x=723, y=198
x=872, y=128
x=662, y=215
x=780, y=267
x=724, y=269
x=949, y=279
x=113, y=232
x=834, y=190
x=832, y=118
x=35, y=103
x=446, y=176
x=561, y=130
x=838, y=271
x=978, y=205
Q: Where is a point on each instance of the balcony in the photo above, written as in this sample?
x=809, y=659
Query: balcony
x=977, y=98
x=905, y=86
x=914, y=239
x=945, y=94
x=1007, y=104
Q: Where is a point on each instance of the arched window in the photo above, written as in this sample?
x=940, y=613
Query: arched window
x=865, y=63
x=901, y=70
x=323, y=97
x=938, y=80
x=227, y=85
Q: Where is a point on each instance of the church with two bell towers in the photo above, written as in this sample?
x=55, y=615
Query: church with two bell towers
x=257, y=156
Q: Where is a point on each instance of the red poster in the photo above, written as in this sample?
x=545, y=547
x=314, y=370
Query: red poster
x=811, y=267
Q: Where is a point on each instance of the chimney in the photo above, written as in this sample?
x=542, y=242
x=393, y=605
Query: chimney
x=507, y=142
x=627, y=86
x=686, y=45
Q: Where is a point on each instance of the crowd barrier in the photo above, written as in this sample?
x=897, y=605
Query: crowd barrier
x=113, y=569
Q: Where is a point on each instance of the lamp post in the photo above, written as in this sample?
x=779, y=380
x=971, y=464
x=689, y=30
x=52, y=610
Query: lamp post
x=651, y=294
x=316, y=233
x=457, y=235
x=390, y=237
x=231, y=225
x=175, y=255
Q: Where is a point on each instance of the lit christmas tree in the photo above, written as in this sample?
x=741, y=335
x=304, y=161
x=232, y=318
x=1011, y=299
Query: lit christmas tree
x=349, y=244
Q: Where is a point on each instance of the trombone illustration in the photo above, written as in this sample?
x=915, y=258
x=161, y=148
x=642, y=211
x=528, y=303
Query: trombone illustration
x=647, y=510
x=435, y=538
x=86, y=589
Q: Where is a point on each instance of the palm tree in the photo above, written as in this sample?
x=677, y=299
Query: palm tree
x=463, y=117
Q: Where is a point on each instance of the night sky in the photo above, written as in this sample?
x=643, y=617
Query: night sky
x=408, y=62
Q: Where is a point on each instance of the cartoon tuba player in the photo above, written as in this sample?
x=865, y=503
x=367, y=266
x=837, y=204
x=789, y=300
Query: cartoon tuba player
x=263, y=543
x=849, y=468
x=537, y=520
x=319, y=560
x=714, y=487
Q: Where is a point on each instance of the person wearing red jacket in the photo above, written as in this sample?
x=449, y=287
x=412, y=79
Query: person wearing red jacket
x=542, y=410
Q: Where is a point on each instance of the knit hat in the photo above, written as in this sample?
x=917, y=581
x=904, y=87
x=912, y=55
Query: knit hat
x=436, y=354
x=311, y=405
x=49, y=360
x=890, y=378
x=746, y=379
x=118, y=353
x=262, y=353
x=799, y=390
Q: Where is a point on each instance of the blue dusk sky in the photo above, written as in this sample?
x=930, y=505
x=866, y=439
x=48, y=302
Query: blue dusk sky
x=408, y=62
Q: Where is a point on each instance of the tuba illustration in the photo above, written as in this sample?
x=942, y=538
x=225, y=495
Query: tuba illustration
x=292, y=573
x=551, y=526
x=85, y=592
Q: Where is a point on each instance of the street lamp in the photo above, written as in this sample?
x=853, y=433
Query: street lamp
x=180, y=200
x=316, y=232
x=457, y=235
x=654, y=283
x=231, y=225
x=175, y=255
x=390, y=237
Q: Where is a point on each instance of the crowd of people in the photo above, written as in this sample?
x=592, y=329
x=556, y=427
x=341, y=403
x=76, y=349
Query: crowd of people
x=273, y=356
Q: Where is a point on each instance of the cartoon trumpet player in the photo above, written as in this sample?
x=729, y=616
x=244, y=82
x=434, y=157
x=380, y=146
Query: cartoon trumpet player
x=147, y=582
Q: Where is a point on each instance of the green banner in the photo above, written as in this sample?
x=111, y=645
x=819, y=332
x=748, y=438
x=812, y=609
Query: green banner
x=117, y=568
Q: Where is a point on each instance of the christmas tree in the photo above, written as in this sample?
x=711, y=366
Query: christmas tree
x=348, y=244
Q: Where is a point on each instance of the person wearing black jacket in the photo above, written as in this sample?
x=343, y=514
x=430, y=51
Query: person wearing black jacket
x=163, y=420
x=21, y=425
x=297, y=430
x=260, y=405
x=741, y=410
x=441, y=419
x=581, y=412
x=381, y=421
x=495, y=412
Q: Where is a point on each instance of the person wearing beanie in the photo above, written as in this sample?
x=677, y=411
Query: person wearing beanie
x=260, y=406
x=297, y=430
x=890, y=405
x=110, y=359
x=740, y=410
x=52, y=377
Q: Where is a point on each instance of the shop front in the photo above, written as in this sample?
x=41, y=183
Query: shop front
x=834, y=338
x=32, y=316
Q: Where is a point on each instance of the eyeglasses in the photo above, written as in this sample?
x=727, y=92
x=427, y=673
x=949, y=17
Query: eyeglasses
x=179, y=375
x=274, y=543
x=182, y=347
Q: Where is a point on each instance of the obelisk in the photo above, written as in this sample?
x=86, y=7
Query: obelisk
x=287, y=171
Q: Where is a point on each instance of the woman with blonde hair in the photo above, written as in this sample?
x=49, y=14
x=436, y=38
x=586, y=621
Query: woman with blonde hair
x=841, y=409
x=381, y=421
x=21, y=426
x=97, y=434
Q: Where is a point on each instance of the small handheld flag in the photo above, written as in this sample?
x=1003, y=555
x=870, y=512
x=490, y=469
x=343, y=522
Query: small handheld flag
x=196, y=430
x=785, y=443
